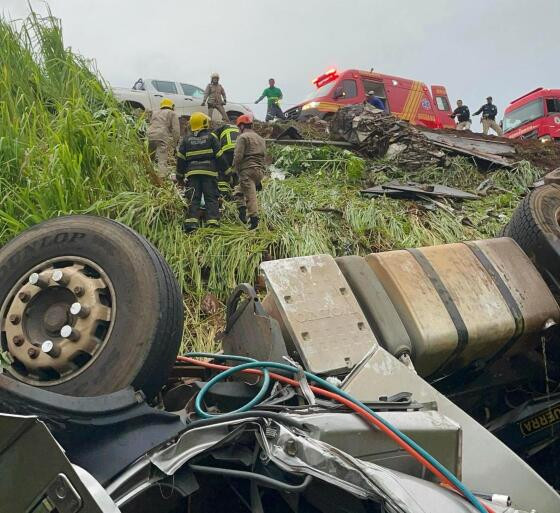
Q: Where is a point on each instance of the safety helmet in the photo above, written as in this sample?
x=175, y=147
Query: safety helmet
x=244, y=119
x=214, y=75
x=199, y=121
x=166, y=103
x=371, y=93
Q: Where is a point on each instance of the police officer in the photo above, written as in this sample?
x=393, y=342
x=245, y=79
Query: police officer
x=489, y=113
x=227, y=135
x=197, y=163
x=463, y=115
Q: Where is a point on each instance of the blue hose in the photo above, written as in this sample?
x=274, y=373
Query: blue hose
x=253, y=402
x=254, y=364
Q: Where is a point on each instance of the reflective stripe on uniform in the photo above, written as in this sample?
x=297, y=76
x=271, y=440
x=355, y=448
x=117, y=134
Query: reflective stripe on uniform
x=205, y=172
x=181, y=156
x=228, y=144
x=212, y=222
x=194, y=153
x=224, y=187
x=191, y=220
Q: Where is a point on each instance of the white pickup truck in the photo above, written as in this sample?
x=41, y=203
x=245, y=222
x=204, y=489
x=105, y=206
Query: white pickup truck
x=146, y=94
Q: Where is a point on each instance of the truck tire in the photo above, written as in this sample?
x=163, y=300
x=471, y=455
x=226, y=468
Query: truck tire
x=88, y=307
x=535, y=227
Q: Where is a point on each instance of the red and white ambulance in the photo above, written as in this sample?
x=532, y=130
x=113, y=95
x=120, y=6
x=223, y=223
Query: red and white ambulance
x=407, y=99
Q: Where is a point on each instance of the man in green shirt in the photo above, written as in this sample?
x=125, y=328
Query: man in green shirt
x=274, y=95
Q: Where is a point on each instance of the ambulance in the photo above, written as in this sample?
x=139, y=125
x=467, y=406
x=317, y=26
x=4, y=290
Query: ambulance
x=407, y=99
x=535, y=115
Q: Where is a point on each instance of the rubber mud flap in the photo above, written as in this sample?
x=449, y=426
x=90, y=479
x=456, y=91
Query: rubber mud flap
x=376, y=305
x=536, y=229
x=146, y=310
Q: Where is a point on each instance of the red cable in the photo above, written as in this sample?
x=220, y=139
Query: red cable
x=342, y=400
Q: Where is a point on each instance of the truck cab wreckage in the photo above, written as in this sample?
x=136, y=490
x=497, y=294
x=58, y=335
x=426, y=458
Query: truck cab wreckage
x=385, y=383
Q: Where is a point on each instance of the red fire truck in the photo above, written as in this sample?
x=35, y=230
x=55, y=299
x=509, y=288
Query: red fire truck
x=407, y=99
x=535, y=115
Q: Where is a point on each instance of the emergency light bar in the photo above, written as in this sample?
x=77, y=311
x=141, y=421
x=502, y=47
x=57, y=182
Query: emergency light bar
x=325, y=78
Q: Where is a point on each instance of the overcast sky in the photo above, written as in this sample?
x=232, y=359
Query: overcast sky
x=502, y=48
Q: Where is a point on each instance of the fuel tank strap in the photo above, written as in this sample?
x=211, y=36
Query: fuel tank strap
x=450, y=306
x=504, y=290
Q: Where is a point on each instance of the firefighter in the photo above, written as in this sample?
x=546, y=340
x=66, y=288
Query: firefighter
x=375, y=101
x=274, y=95
x=215, y=95
x=227, y=135
x=163, y=135
x=197, y=163
x=249, y=164
x=489, y=113
x=463, y=115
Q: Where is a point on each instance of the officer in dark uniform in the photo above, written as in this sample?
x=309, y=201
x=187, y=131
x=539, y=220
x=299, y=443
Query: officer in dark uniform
x=489, y=113
x=196, y=162
x=463, y=115
x=227, y=135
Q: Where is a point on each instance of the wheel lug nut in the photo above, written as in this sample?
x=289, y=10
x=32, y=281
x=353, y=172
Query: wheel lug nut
x=18, y=340
x=59, y=277
x=49, y=347
x=14, y=319
x=37, y=280
x=23, y=297
x=79, y=291
x=33, y=352
x=80, y=310
x=70, y=333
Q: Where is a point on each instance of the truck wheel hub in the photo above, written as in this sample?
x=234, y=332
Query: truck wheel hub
x=56, y=320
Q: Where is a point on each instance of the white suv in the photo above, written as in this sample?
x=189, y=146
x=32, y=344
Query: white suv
x=146, y=94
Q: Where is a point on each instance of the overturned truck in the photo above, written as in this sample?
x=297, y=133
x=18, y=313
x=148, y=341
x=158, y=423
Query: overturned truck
x=403, y=381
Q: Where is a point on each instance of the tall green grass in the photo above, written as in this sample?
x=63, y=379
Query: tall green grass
x=66, y=147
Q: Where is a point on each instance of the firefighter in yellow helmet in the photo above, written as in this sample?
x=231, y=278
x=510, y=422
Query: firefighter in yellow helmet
x=215, y=95
x=163, y=135
x=196, y=163
x=227, y=135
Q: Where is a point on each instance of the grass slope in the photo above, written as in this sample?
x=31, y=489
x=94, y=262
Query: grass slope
x=66, y=147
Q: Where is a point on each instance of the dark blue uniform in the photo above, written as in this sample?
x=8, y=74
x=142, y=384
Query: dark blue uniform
x=196, y=162
x=462, y=114
x=376, y=102
x=489, y=111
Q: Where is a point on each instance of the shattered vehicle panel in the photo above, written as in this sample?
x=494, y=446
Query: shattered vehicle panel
x=321, y=469
x=356, y=404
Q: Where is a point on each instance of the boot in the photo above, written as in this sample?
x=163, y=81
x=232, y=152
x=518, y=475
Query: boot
x=253, y=222
x=189, y=227
x=242, y=214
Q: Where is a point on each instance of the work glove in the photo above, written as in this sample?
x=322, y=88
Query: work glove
x=258, y=186
x=224, y=102
x=202, y=104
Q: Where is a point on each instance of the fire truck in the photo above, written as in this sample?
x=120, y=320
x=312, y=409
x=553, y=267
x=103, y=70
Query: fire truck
x=407, y=99
x=535, y=115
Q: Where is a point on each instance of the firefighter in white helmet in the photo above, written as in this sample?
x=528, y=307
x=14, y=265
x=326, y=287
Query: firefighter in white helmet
x=215, y=96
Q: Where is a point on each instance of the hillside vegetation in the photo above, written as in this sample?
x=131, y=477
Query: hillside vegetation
x=66, y=147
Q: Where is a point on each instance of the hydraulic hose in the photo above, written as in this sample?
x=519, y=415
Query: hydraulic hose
x=333, y=393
